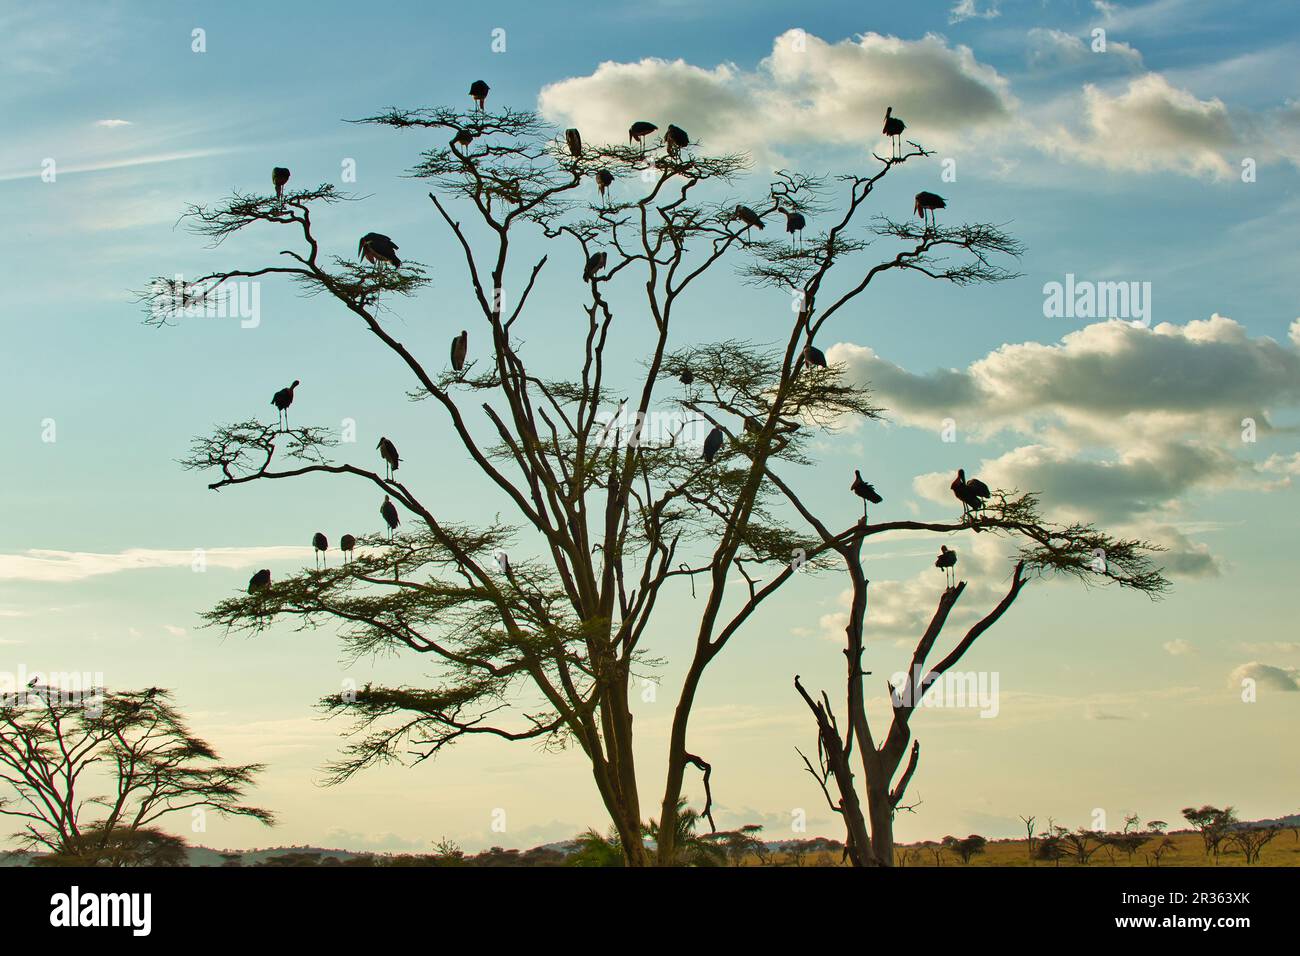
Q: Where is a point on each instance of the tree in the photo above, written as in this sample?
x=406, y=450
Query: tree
x=1213, y=824
x=1044, y=549
x=1166, y=845
x=966, y=847
x=1251, y=840
x=610, y=513
x=596, y=850
x=136, y=746
x=1083, y=843
x=1051, y=845
x=738, y=844
x=691, y=849
x=1029, y=833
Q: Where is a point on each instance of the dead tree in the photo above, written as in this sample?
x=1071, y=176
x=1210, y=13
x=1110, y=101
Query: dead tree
x=1043, y=548
x=603, y=515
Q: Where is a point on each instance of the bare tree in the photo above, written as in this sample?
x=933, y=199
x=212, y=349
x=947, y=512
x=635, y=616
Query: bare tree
x=1029, y=833
x=609, y=513
x=56, y=751
x=1045, y=549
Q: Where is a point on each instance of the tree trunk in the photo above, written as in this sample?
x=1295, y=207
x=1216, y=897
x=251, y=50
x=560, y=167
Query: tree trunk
x=881, y=811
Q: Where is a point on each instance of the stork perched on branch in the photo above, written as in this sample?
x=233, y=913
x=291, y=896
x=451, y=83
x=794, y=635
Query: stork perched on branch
x=282, y=400
x=893, y=129
x=926, y=204
x=713, y=444
x=970, y=492
x=388, y=452
x=864, y=490
x=638, y=131
x=595, y=265
x=750, y=218
x=377, y=248
x=478, y=91
x=947, y=560
x=459, y=349
x=573, y=140
x=320, y=544
x=675, y=139
x=279, y=177
x=388, y=511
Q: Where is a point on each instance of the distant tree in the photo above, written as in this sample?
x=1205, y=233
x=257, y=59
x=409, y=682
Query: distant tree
x=1052, y=846
x=1251, y=840
x=741, y=843
x=1083, y=843
x=1157, y=852
x=1214, y=825
x=142, y=846
x=1029, y=833
x=447, y=852
x=135, y=747
x=966, y=847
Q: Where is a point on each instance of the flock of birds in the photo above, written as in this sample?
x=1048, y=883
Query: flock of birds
x=380, y=251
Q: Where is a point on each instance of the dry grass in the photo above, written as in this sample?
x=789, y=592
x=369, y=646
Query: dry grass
x=1189, y=851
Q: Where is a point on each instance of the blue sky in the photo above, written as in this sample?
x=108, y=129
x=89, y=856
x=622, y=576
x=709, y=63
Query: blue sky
x=1122, y=165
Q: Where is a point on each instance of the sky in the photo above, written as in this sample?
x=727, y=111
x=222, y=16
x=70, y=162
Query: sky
x=1168, y=159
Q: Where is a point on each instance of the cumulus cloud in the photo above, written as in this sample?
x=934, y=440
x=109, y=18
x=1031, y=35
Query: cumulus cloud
x=813, y=92
x=1152, y=125
x=1266, y=676
x=1122, y=425
x=806, y=90
x=1109, y=383
x=112, y=123
x=1177, y=648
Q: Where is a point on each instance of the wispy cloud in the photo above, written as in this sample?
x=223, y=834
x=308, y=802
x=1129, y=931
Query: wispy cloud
x=65, y=566
x=174, y=157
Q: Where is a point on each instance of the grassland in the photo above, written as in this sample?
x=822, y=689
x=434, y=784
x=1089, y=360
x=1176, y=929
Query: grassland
x=1187, y=850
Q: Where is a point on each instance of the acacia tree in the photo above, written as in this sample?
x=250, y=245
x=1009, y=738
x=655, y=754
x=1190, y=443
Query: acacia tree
x=609, y=513
x=56, y=752
x=1042, y=548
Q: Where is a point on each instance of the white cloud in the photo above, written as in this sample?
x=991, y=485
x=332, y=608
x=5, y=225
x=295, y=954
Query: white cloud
x=806, y=91
x=1109, y=384
x=1122, y=426
x=64, y=566
x=113, y=123
x=811, y=92
x=1152, y=126
x=1177, y=647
